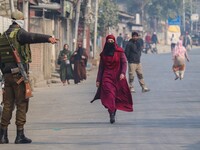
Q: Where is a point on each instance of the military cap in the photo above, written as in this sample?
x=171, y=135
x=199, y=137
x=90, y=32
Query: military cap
x=17, y=15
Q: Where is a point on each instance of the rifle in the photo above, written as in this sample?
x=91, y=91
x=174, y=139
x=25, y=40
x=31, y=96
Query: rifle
x=28, y=91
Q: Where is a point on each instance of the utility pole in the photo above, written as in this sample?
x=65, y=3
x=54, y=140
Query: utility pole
x=12, y=6
x=78, y=6
x=191, y=12
x=26, y=13
x=95, y=28
x=86, y=22
x=184, y=15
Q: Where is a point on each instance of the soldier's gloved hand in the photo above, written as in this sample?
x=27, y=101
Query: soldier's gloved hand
x=53, y=40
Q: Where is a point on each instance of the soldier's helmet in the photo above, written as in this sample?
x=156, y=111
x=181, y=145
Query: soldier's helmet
x=17, y=15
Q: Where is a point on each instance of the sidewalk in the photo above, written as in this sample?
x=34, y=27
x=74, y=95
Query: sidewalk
x=163, y=48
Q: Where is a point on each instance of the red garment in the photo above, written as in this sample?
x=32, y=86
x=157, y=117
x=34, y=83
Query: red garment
x=113, y=92
x=148, y=39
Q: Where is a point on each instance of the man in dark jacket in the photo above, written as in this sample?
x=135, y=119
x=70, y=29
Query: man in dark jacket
x=14, y=91
x=133, y=54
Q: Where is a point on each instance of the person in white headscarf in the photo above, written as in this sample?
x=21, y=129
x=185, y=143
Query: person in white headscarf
x=179, y=55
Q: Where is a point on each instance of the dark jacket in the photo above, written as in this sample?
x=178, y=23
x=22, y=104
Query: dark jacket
x=133, y=51
x=23, y=37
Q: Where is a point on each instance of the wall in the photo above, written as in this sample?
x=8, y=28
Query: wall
x=4, y=24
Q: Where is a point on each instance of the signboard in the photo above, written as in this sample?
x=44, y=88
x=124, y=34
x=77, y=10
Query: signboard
x=195, y=17
x=174, y=21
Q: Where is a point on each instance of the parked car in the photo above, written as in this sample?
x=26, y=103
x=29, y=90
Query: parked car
x=195, y=39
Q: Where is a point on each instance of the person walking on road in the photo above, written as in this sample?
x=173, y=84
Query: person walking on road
x=147, y=42
x=14, y=90
x=154, y=40
x=173, y=42
x=120, y=40
x=112, y=85
x=79, y=58
x=66, y=72
x=187, y=41
x=125, y=41
x=133, y=54
x=179, y=56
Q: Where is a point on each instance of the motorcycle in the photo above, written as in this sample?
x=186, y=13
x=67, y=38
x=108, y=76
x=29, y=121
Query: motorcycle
x=147, y=48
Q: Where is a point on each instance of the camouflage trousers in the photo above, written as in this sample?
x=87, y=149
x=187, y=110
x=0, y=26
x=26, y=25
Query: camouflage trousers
x=14, y=96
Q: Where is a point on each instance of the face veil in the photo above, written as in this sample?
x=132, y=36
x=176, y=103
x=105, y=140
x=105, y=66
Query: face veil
x=109, y=49
x=110, y=46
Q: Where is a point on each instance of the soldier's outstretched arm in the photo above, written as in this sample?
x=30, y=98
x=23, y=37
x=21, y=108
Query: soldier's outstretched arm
x=25, y=37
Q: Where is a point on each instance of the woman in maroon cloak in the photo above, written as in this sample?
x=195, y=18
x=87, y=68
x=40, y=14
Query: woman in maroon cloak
x=112, y=85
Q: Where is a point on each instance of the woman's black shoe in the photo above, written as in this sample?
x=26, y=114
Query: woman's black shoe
x=112, y=117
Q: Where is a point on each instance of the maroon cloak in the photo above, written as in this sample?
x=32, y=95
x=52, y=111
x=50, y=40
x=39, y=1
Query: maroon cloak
x=113, y=92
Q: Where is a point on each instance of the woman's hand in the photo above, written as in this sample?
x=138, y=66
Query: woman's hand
x=97, y=84
x=83, y=57
x=122, y=76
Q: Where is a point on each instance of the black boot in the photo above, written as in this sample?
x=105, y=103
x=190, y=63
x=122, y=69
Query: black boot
x=4, y=136
x=112, y=117
x=21, y=139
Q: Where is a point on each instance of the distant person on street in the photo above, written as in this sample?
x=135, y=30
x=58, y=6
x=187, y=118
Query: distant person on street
x=133, y=54
x=79, y=58
x=173, y=42
x=147, y=42
x=120, y=40
x=125, y=41
x=187, y=41
x=154, y=40
x=112, y=85
x=179, y=55
x=66, y=72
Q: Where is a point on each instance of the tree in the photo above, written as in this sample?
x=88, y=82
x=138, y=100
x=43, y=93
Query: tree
x=155, y=10
x=108, y=16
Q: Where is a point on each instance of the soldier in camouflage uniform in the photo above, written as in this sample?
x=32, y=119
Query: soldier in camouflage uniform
x=15, y=91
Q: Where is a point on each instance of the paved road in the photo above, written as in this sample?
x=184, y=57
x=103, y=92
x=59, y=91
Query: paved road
x=167, y=118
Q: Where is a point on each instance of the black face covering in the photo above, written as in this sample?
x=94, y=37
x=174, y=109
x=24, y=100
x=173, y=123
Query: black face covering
x=109, y=49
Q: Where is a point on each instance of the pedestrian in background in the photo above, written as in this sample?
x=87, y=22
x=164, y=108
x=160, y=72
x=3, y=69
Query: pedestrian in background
x=187, y=41
x=125, y=41
x=154, y=40
x=112, y=86
x=14, y=90
x=120, y=40
x=133, y=53
x=173, y=42
x=147, y=42
x=66, y=72
x=79, y=58
x=179, y=55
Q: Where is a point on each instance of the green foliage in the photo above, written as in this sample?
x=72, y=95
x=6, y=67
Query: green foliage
x=108, y=16
x=155, y=8
x=165, y=8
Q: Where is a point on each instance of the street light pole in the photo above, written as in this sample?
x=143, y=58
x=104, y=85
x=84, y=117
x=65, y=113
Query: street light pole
x=191, y=12
x=12, y=6
x=76, y=23
x=86, y=23
x=95, y=28
x=26, y=13
x=184, y=15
